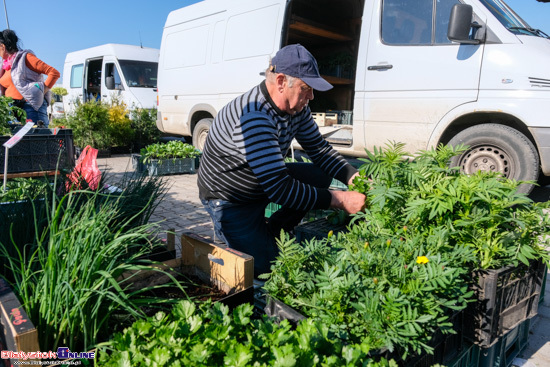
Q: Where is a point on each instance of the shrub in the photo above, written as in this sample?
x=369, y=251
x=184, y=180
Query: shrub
x=144, y=126
x=119, y=124
x=90, y=125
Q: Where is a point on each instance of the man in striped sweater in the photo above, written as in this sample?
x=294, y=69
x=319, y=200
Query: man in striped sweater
x=242, y=166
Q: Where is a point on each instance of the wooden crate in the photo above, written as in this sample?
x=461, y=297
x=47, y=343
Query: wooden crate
x=325, y=119
x=229, y=270
x=18, y=332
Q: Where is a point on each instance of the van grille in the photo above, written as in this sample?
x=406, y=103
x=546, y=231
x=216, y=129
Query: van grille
x=539, y=83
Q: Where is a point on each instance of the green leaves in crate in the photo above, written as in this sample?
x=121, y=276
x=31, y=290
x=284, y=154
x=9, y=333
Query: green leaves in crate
x=482, y=211
x=403, y=269
x=369, y=288
x=24, y=188
x=210, y=335
x=171, y=150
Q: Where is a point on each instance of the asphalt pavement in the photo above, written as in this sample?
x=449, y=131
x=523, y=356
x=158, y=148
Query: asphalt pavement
x=181, y=211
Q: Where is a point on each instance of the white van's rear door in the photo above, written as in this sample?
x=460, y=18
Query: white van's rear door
x=414, y=76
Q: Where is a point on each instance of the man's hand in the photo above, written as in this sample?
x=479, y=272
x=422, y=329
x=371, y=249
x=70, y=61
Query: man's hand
x=350, y=181
x=350, y=201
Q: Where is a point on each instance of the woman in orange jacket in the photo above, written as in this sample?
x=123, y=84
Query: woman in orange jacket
x=21, y=78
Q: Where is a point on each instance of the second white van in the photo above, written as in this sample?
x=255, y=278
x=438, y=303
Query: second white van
x=125, y=72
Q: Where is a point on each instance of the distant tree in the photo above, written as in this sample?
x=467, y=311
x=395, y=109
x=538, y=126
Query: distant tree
x=60, y=91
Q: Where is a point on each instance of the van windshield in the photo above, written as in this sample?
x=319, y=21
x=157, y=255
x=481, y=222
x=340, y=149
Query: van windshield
x=508, y=17
x=139, y=74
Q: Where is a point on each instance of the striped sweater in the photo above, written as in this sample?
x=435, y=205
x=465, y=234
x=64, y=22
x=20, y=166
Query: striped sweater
x=243, y=157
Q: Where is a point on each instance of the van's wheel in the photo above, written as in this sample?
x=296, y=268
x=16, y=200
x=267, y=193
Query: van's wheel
x=498, y=148
x=201, y=132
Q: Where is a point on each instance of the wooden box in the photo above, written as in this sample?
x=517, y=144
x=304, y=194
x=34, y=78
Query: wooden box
x=229, y=270
x=325, y=119
x=18, y=333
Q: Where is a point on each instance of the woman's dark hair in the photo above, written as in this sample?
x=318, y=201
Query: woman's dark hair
x=10, y=40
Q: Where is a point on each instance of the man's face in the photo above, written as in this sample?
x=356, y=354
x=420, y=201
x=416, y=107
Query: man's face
x=297, y=96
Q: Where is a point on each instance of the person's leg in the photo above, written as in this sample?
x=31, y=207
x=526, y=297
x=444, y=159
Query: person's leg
x=40, y=115
x=243, y=227
x=43, y=113
x=286, y=218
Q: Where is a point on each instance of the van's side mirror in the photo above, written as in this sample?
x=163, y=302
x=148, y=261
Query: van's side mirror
x=110, y=82
x=460, y=24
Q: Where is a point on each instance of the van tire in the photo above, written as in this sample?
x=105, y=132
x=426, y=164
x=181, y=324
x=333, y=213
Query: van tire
x=200, y=132
x=499, y=148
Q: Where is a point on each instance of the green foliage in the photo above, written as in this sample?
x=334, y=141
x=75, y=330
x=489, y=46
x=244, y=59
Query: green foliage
x=209, y=335
x=90, y=125
x=144, y=125
x=67, y=279
x=100, y=125
x=23, y=188
x=119, y=123
x=403, y=268
x=369, y=288
x=9, y=113
x=60, y=91
x=171, y=150
x=482, y=211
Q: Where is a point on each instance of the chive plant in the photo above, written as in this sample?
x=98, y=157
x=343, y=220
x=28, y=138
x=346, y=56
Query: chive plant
x=67, y=280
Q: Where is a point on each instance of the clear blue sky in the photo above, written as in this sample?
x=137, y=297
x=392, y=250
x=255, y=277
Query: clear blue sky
x=51, y=28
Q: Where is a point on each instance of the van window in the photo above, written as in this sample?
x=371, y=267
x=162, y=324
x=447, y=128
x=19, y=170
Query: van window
x=77, y=72
x=139, y=74
x=507, y=17
x=111, y=71
x=406, y=22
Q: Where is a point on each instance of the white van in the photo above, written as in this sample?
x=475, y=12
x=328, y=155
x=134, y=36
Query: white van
x=396, y=74
x=109, y=71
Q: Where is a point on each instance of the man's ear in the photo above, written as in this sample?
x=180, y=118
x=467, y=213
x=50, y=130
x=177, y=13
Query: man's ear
x=280, y=81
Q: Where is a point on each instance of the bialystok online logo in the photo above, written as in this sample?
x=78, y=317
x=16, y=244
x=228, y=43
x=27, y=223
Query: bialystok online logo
x=62, y=353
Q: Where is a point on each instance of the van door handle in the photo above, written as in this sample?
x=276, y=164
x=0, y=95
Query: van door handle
x=380, y=67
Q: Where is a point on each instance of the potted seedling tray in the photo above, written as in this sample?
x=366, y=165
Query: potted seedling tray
x=505, y=298
x=168, y=158
x=228, y=270
x=157, y=167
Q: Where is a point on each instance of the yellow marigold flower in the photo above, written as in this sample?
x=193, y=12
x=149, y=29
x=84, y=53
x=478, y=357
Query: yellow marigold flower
x=422, y=260
x=330, y=233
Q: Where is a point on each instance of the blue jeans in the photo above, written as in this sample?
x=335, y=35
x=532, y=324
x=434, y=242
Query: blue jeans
x=41, y=114
x=243, y=226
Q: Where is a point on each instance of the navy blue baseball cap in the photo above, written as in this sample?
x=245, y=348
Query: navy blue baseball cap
x=296, y=61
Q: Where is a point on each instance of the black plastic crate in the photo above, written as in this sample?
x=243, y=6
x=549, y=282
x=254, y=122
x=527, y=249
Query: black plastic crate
x=20, y=221
x=467, y=357
x=507, y=348
x=317, y=229
x=39, y=150
x=505, y=298
x=543, y=289
x=447, y=347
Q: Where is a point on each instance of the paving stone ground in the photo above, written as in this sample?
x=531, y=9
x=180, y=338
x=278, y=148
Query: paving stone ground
x=182, y=211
